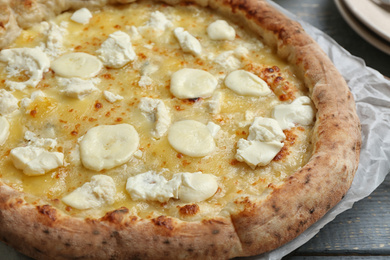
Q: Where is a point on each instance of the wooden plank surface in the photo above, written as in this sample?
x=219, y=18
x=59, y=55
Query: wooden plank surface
x=362, y=232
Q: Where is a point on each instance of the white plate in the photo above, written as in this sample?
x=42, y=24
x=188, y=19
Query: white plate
x=372, y=15
x=361, y=29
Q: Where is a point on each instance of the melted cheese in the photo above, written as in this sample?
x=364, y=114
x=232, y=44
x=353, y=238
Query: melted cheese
x=70, y=118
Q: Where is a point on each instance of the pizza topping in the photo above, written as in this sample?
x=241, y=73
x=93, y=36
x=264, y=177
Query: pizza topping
x=99, y=191
x=116, y=51
x=214, y=103
x=221, y=30
x=4, y=130
x=54, y=39
x=146, y=71
x=192, y=83
x=8, y=103
x=188, y=43
x=191, y=138
x=228, y=60
x=82, y=16
x=78, y=88
x=214, y=128
x=197, y=187
x=152, y=186
x=77, y=64
x=30, y=61
x=108, y=146
x=188, y=187
x=300, y=111
x=158, y=22
x=155, y=111
x=246, y=84
x=35, y=160
x=111, y=97
x=33, y=140
x=26, y=102
x=262, y=144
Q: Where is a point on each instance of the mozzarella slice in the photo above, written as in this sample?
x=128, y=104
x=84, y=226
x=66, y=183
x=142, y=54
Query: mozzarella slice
x=35, y=160
x=77, y=64
x=4, y=130
x=246, y=84
x=191, y=138
x=192, y=83
x=300, y=111
x=221, y=30
x=188, y=43
x=108, y=146
x=116, y=51
x=197, y=187
x=99, y=191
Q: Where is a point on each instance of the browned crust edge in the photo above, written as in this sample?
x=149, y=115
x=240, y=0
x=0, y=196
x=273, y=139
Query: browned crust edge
x=42, y=232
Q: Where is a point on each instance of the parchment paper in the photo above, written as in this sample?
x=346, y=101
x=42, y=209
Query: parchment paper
x=372, y=95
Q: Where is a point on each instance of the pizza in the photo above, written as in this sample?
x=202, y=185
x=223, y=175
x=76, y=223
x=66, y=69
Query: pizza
x=166, y=130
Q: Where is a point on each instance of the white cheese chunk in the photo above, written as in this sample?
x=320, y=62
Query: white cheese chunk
x=35, y=160
x=246, y=84
x=221, y=30
x=111, y=97
x=152, y=186
x=191, y=138
x=214, y=128
x=146, y=71
x=188, y=187
x=33, y=140
x=215, y=102
x=300, y=111
x=156, y=111
x=25, y=102
x=78, y=88
x=188, y=43
x=116, y=51
x=133, y=32
x=256, y=153
x=8, y=103
x=263, y=144
x=157, y=22
x=77, y=64
x=192, y=83
x=30, y=61
x=197, y=187
x=108, y=146
x=53, y=46
x=98, y=192
x=4, y=130
x=265, y=130
x=228, y=60
x=82, y=16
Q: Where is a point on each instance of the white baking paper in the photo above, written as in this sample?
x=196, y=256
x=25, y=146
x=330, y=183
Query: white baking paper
x=372, y=95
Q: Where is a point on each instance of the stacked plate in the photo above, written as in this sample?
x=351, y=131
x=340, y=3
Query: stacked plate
x=370, y=19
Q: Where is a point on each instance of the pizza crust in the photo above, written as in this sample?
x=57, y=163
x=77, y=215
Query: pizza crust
x=250, y=225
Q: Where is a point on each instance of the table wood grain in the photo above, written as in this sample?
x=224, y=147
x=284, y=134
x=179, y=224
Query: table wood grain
x=362, y=232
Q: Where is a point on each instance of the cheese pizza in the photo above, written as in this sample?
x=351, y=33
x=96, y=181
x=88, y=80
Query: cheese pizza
x=204, y=129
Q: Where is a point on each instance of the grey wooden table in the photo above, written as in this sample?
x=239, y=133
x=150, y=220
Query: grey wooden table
x=362, y=232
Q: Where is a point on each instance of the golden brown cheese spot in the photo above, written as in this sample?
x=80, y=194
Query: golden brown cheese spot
x=274, y=78
x=188, y=210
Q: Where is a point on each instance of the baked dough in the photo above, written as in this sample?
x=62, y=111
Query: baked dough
x=249, y=225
